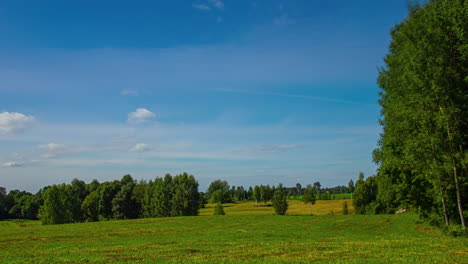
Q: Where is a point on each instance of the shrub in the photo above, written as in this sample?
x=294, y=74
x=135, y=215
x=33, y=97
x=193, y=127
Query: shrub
x=219, y=209
x=345, y=208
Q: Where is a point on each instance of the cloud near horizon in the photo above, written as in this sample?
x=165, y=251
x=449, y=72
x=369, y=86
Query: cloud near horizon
x=11, y=123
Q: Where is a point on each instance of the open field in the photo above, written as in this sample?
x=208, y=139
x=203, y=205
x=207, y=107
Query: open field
x=233, y=239
x=321, y=207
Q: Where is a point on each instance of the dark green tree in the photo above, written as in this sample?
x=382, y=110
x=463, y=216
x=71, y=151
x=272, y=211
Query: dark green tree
x=424, y=111
x=279, y=201
x=220, y=185
x=57, y=205
x=345, y=208
x=364, y=195
x=90, y=206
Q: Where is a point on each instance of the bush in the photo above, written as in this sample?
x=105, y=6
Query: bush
x=345, y=208
x=219, y=209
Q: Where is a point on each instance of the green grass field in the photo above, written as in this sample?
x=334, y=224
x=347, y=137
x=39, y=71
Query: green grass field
x=253, y=237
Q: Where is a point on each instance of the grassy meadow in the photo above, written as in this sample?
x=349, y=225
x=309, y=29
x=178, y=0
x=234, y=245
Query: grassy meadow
x=247, y=234
x=296, y=207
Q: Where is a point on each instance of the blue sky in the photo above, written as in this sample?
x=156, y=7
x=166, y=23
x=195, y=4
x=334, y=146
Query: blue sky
x=253, y=92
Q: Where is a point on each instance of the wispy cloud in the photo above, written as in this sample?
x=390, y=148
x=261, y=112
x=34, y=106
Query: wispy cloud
x=52, y=150
x=129, y=92
x=299, y=96
x=278, y=148
x=217, y=3
x=209, y=4
x=11, y=123
x=201, y=7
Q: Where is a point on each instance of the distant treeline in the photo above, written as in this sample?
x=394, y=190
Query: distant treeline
x=221, y=191
x=127, y=199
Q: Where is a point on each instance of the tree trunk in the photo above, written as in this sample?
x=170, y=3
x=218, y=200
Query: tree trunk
x=310, y=208
x=455, y=175
x=447, y=222
x=459, y=202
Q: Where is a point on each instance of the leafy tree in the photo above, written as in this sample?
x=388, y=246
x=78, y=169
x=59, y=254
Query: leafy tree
x=123, y=206
x=107, y=192
x=279, y=201
x=90, y=206
x=127, y=179
x=92, y=186
x=220, y=185
x=186, y=196
x=256, y=194
x=317, y=186
x=424, y=86
x=309, y=197
x=250, y=193
x=217, y=196
x=364, y=194
x=351, y=186
x=56, y=208
x=78, y=192
x=298, y=189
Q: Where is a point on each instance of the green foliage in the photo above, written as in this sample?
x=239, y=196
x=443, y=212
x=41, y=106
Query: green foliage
x=256, y=194
x=279, y=201
x=345, y=208
x=222, y=186
x=123, y=204
x=57, y=205
x=218, y=209
x=364, y=194
x=107, y=192
x=90, y=206
x=424, y=86
x=309, y=197
x=217, y=196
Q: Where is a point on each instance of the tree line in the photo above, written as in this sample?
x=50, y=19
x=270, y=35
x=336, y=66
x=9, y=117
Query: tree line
x=422, y=152
x=125, y=199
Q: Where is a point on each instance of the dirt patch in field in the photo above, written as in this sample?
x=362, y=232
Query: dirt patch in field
x=115, y=259
x=426, y=230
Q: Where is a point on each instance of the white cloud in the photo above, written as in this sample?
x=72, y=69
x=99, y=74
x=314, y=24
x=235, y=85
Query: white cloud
x=11, y=164
x=11, y=123
x=140, y=115
x=201, y=7
x=129, y=92
x=53, y=150
x=217, y=3
x=140, y=147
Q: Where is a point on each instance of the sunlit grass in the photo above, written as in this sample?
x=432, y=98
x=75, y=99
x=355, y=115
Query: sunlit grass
x=296, y=207
x=253, y=238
